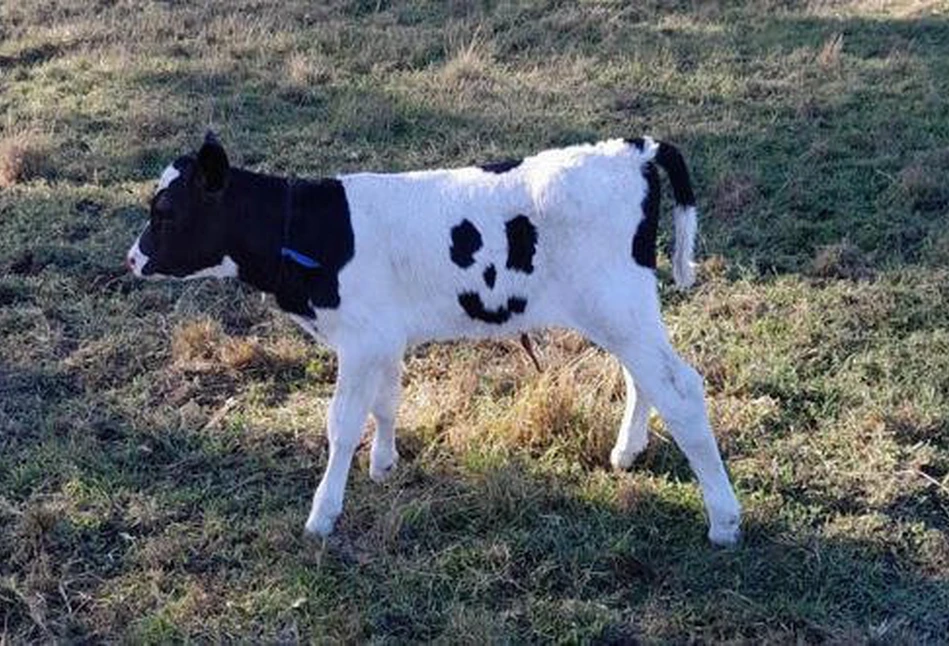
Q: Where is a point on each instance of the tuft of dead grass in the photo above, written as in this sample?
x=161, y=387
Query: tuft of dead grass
x=23, y=157
x=733, y=194
x=468, y=63
x=305, y=70
x=923, y=181
x=829, y=55
x=841, y=260
x=202, y=345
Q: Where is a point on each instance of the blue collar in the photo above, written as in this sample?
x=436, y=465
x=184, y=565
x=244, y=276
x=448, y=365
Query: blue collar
x=299, y=258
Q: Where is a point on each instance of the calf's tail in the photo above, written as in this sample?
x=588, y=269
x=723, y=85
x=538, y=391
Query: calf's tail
x=684, y=214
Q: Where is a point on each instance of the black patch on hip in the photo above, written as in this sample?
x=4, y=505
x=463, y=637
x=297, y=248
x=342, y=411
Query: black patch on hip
x=473, y=305
x=500, y=167
x=521, y=244
x=644, y=240
x=465, y=242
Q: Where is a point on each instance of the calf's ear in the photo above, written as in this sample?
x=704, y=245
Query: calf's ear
x=213, y=166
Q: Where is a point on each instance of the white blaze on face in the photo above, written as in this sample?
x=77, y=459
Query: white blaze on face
x=136, y=259
x=168, y=175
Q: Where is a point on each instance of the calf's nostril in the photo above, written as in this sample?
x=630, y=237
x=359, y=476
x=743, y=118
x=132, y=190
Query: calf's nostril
x=130, y=262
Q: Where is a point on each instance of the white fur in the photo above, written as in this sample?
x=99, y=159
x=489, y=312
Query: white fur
x=136, y=259
x=168, y=175
x=227, y=268
x=686, y=226
x=403, y=289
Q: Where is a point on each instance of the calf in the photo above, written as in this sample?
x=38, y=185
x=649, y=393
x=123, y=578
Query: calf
x=371, y=263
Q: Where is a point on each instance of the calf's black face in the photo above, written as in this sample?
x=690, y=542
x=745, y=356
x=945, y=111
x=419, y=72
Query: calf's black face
x=186, y=236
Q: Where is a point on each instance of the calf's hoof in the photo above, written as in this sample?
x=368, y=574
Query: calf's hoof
x=623, y=460
x=382, y=468
x=725, y=534
x=320, y=524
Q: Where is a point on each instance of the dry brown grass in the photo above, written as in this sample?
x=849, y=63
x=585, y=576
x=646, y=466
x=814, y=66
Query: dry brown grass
x=733, y=194
x=202, y=345
x=23, y=156
x=469, y=62
x=842, y=260
x=924, y=181
x=829, y=55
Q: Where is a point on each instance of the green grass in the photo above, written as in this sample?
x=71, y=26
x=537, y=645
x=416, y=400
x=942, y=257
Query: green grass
x=159, y=444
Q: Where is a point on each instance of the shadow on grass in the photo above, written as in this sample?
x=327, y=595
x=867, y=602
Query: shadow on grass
x=113, y=524
x=97, y=508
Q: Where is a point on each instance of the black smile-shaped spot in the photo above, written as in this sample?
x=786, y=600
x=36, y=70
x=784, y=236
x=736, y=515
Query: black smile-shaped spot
x=473, y=305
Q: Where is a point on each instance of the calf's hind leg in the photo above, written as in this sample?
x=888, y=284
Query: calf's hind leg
x=632, y=437
x=676, y=390
x=635, y=334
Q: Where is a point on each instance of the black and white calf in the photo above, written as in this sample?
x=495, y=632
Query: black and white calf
x=371, y=263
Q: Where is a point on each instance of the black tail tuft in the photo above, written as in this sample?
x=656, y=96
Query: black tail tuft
x=686, y=223
x=670, y=159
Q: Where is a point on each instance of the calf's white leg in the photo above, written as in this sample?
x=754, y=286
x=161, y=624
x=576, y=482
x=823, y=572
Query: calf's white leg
x=629, y=326
x=632, y=437
x=358, y=379
x=384, y=457
x=676, y=391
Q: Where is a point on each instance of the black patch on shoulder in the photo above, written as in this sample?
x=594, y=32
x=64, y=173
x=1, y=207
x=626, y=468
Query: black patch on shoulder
x=321, y=229
x=521, y=244
x=500, y=167
x=639, y=142
x=465, y=242
x=473, y=305
x=644, y=240
x=490, y=275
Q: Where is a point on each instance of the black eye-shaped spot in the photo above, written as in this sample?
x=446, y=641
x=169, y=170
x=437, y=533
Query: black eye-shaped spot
x=465, y=242
x=521, y=244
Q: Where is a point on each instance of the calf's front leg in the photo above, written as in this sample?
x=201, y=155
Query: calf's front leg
x=357, y=384
x=383, y=456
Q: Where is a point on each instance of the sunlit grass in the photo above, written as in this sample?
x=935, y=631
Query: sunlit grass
x=160, y=443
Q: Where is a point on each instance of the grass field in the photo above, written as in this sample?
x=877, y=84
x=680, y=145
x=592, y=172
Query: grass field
x=160, y=443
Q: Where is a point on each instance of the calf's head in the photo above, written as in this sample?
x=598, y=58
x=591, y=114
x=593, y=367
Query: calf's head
x=186, y=236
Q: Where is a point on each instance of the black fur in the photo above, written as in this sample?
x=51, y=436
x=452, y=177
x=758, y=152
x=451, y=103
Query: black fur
x=211, y=211
x=320, y=228
x=473, y=305
x=490, y=275
x=500, y=167
x=465, y=242
x=644, y=240
x=671, y=161
x=521, y=244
